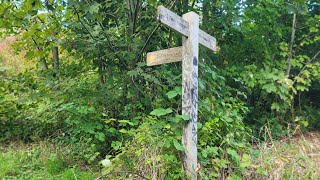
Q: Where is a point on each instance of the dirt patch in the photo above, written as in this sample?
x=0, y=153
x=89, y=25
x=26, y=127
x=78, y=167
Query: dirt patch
x=4, y=44
x=314, y=137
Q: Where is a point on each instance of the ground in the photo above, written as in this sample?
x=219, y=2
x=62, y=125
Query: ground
x=41, y=160
x=297, y=157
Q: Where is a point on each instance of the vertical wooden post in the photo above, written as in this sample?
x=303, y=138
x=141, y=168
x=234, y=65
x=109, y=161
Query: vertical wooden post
x=190, y=50
x=188, y=26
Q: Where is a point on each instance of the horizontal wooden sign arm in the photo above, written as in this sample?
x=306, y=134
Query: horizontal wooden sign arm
x=164, y=56
x=207, y=40
x=180, y=25
x=173, y=21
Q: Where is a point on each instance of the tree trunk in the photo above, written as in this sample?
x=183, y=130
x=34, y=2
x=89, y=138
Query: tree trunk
x=294, y=22
x=55, y=53
x=44, y=63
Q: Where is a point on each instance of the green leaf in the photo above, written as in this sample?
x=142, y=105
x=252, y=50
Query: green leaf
x=275, y=106
x=125, y=122
x=169, y=157
x=177, y=91
x=29, y=55
x=167, y=126
x=301, y=87
x=116, y=145
x=91, y=109
x=175, y=119
x=229, y=119
x=152, y=2
x=184, y=117
x=209, y=151
x=100, y=136
x=235, y=177
x=199, y=125
x=299, y=79
x=269, y=88
x=161, y=112
x=262, y=171
x=246, y=161
x=172, y=94
x=178, y=146
x=123, y=131
x=94, y=8
x=233, y=154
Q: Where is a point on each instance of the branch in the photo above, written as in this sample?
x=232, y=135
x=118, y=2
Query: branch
x=147, y=41
x=135, y=17
x=5, y=10
x=104, y=34
x=83, y=24
x=110, y=45
x=33, y=40
x=130, y=9
x=294, y=23
x=136, y=85
x=40, y=49
x=305, y=66
x=194, y=1
x=151, y=34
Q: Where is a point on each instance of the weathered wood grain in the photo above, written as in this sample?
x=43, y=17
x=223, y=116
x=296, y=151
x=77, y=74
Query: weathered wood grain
x=190, y=51
x=180, y=25
x=164, y=56
x=172, y=20
x=188, y=26
x=207, y=40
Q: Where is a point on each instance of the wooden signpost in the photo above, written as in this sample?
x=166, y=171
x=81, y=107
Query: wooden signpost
x=188, y=26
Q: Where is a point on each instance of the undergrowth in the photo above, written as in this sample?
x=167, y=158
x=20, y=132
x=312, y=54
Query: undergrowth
x=41, y=160
x=290, y=158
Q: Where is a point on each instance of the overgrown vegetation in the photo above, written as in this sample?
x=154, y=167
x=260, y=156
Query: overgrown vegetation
x=39, y=161
x=76, y=73
x=291, y=158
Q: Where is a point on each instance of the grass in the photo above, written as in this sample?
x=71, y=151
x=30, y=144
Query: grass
x=39, y=161
x=291, y=158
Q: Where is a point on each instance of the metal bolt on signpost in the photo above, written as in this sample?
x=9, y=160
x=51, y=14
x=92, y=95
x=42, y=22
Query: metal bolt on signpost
x=188, y=26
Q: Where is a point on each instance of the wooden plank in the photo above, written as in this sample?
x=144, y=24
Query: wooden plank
x=207, y=40
x=190, y=51
x=180, y=25
x=172, y=20
x=164, y=56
